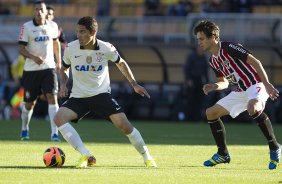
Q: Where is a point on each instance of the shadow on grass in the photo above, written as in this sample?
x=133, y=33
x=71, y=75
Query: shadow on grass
x=73, y=167
x=35, y=167
x=166, y=133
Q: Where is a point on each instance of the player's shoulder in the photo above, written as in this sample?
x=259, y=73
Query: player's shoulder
x=232, y=46
x=105, y=46
x=28, y=24
x=73, y=45
x=51, y=23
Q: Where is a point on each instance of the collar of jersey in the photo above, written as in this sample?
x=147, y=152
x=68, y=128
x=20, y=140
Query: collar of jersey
x=96, y=46
x=34, y=22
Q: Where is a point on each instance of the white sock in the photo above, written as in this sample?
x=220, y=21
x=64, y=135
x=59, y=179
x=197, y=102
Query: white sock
x=72, y=137
x=137, y=141
x=52, y=110
x=26, y=116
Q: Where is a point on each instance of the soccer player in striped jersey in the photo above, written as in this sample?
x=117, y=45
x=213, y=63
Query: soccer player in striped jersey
x=38, y=43
x=234, y=64
x=88, y=58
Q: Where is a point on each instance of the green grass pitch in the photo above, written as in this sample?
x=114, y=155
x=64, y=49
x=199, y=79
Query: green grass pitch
x=179, y=149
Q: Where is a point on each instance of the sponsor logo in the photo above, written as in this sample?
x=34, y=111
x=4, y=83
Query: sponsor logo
x=240, y=49
x=41, y=38
x=90, y=68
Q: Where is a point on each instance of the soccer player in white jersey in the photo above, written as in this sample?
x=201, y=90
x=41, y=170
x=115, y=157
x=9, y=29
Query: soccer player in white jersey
x=88, y=58
x=38, y=43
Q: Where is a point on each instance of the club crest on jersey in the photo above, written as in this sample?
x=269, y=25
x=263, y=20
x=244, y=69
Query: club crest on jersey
x=88, y=59
x=226, y=63
x=99, y=56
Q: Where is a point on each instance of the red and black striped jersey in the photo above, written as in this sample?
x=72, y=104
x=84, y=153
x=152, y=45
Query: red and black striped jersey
x=230, y=62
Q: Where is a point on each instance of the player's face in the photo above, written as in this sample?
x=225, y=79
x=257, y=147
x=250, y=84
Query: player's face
x=84, y=36
x=40, y=11
x=50, y=15
x=204, y=42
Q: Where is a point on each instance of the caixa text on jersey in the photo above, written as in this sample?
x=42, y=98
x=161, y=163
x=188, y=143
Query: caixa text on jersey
x=94, y=68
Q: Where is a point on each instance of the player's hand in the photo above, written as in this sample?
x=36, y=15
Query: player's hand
x=38, y=60
x=141, y=90
x=272, y=91
x=208, y=88
x=110, y=56
x=63, y=91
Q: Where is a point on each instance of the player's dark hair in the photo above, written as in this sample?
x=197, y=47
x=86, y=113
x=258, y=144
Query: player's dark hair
x=89, y=22
x=50, y=8
x=208, y=28
x=38, y=2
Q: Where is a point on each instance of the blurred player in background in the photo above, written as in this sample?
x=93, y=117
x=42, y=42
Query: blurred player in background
x=88, y=58
x=234, y=64
x=38, y=43
x=61, y=36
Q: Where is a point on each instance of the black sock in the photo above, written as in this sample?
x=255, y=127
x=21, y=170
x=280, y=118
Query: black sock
x=264, y=124
x=219, y=134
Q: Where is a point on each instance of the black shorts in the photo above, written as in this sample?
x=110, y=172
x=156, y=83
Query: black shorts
x=38, y=82
x=102, y=105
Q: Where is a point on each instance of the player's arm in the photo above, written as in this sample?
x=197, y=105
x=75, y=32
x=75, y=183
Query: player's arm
x=273, y=93
x=127, y=73
x=57, y=52
x=64, y=77
x=23, y=42
x=23, y=51
x=222, y=83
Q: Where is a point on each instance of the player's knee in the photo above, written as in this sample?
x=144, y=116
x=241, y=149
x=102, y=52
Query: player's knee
x=29, y=105
x=254, y=107
x=212, y=113
x=59, y=120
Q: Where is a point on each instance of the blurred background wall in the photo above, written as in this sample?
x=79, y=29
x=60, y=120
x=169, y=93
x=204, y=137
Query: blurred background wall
x=155, y=37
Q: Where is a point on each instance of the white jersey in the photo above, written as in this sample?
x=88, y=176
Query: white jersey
x=90, y=71
x=38, y=40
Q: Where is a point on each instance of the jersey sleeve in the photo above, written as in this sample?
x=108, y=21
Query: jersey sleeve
x=66, y=58
x=23, y=36
x=116, y=55
x=236, y=50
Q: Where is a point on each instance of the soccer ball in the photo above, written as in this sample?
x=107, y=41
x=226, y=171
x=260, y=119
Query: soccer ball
x=54, y=157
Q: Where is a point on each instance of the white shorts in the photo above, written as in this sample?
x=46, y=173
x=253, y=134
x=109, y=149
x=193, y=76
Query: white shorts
x=236, y=102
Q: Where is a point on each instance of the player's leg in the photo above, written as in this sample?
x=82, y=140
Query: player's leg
x=218, y=131
x=121, y=122
x=27, y=111
x=31, y=86
x=255, y=109
x=52, y=110
x=50, y=88
x=65, y=114
x=257, y=97
x=233, y=104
